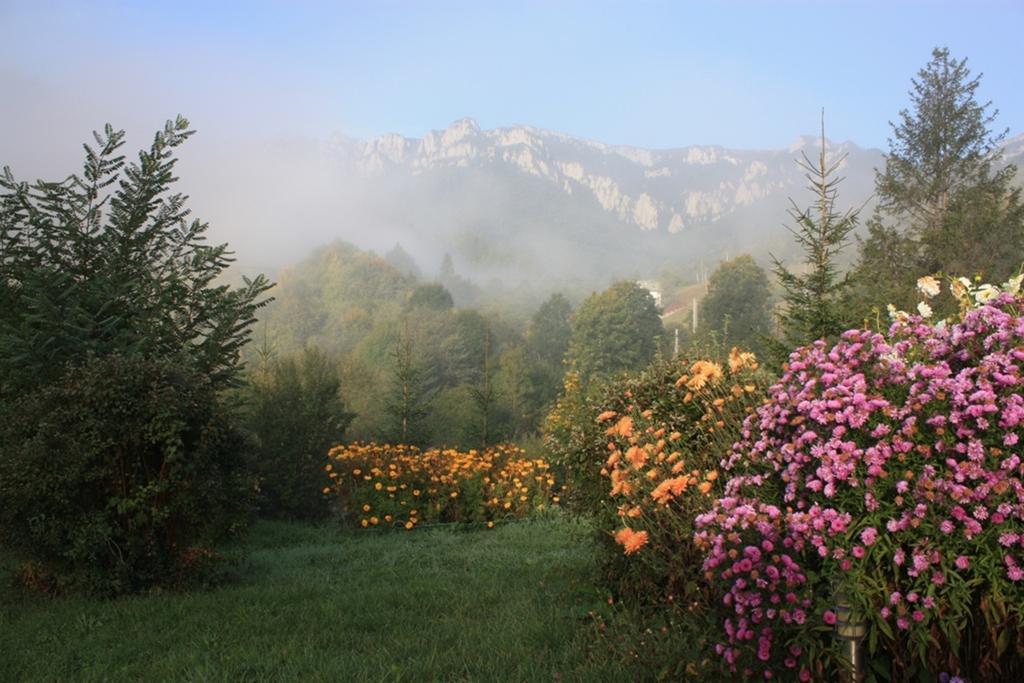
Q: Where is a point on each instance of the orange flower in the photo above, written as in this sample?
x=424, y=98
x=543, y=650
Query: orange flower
x=620, y=483
x=631, y=541
x=636, y=456
x=669, y=489
x=606, y=415
x=741, y=359
x=623, y=428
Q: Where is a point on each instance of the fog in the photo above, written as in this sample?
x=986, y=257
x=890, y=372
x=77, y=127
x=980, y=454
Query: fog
x=285, y=100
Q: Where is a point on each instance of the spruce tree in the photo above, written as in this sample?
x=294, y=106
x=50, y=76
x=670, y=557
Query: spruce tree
x=944, y=203
x=814, y=299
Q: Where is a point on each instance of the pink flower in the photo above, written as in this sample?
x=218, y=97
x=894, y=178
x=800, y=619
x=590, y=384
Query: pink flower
x=962, y=562
x=868, y=536
x=830, y=617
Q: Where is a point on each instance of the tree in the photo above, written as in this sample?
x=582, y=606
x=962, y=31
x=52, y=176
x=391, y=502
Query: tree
x=616, y=330
x=108, y=262
x=400, y=259
x=814, y=299
x=514, y=386
x=738, y=303
x=549, y=331
x=484, y=392
x=119, y=463
x=942, y=205
x=940, y=147
x=407, y=403
x=295, y=413
x=432, y=296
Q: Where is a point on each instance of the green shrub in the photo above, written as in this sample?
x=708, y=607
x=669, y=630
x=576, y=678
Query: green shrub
x=118, y=476
x=295, y=415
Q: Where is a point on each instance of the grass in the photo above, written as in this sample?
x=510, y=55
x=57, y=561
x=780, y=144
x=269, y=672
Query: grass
x=318, y=604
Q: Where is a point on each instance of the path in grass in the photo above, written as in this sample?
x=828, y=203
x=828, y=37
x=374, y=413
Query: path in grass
x=315, y=604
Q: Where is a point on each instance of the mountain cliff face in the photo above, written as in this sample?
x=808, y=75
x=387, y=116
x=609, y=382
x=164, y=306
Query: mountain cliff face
x=654, y=190
x=521, y=204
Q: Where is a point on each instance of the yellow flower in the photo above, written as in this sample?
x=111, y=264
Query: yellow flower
x=366, y=508
x=490, y=525
x=326, y=490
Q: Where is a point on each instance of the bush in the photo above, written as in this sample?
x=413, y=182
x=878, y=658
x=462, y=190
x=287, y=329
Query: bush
x=119, y=475
x=642, y=455
x=884, y=473
x=401, y=486
x=295, y=414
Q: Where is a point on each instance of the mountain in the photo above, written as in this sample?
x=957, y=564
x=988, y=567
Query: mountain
x=526, y=202
x=518, y=207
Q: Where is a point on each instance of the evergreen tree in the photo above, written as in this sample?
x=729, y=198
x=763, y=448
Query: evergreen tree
x=484, y=392
x=407, y=402
x=814, y=299
x=939, y=147
x=943, y=205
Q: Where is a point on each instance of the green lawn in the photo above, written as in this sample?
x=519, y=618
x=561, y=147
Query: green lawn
x=323, y=605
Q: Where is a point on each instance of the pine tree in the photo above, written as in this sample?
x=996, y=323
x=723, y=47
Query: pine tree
x=814, y=299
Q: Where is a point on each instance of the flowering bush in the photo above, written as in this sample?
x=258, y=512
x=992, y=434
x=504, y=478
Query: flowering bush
x=642, y=454
x=886, y=469
x=401, y=486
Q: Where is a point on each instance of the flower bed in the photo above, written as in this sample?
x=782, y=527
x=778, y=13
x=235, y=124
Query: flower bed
x=380, y=485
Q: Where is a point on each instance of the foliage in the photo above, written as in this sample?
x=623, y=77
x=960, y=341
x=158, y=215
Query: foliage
x=333, y=299
x=550, y=331
x=614, y=331
x=400, y=486
x=107, y=262
x=814, y=300
x=942, y=205
x=295, y=413
x=641, y=455
x=119, y=475
x=116, y=335
x=432, y=296
x=738, y=304
x=884, y=469
x=940, y=147
x=407, y=401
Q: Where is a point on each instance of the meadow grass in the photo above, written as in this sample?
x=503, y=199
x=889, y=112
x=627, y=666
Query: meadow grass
x=320, y=604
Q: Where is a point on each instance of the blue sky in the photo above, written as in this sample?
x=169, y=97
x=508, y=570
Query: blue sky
x=653, y=74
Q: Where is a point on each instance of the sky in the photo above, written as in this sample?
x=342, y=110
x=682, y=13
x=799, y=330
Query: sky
x=268, y=85
x=648, y=74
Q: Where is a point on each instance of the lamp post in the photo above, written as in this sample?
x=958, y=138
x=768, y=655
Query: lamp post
x=850, y=631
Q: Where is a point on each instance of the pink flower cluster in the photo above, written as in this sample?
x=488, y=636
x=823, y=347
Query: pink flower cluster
x=893, y=457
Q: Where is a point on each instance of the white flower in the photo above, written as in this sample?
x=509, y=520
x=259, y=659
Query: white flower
x=924, y=309
x=895, y=314
x=1013, y=284
x=986, y=293
x=928, y=286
